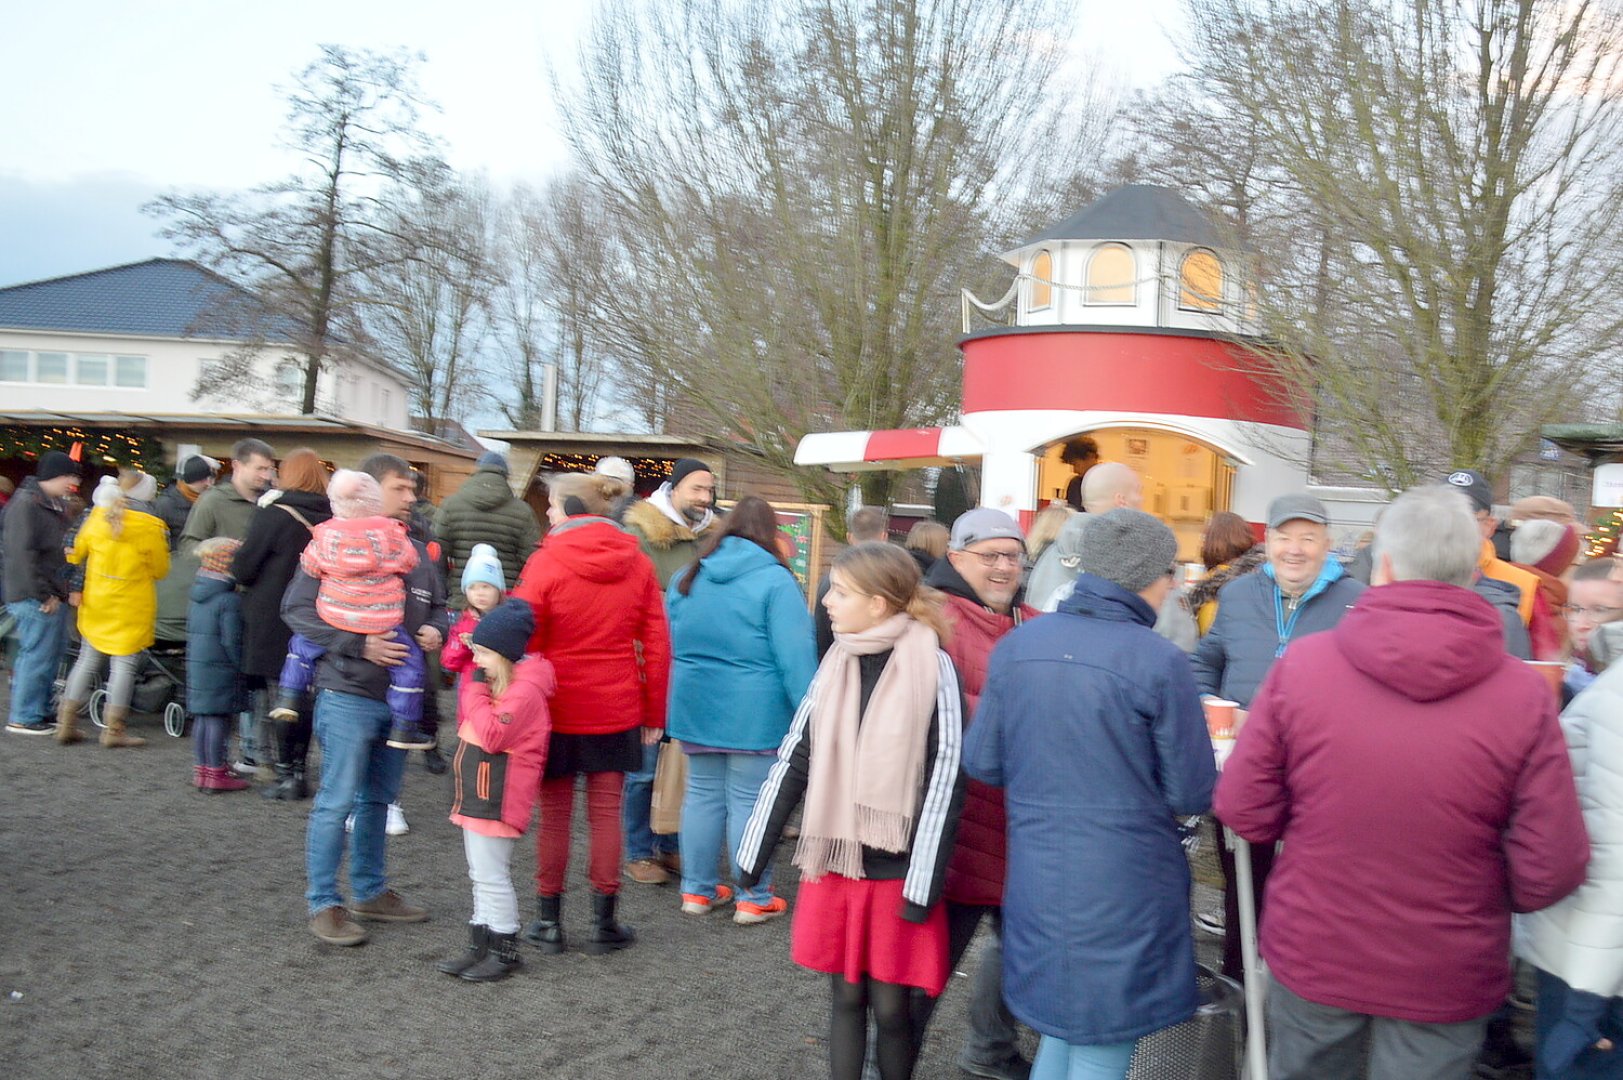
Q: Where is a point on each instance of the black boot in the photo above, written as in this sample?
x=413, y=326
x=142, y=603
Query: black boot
x=608, y=934
x=547, y=933
x=478, y=946
x=501, y=958
x=282, y=790
x=434, y=761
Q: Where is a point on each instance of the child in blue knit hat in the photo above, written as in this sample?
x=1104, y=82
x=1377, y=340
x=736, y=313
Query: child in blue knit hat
x=485, y=588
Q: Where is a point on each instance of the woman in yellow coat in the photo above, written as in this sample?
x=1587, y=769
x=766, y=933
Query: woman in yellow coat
x=125, y=551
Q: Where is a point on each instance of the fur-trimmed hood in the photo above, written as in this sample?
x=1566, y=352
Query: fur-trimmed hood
x=655, y=528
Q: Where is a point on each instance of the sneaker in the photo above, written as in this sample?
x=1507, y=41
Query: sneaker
x=647, y=872
x=334, y=926
x=700, y=904
x=396, y=825
x=387, y=906
x=247, y=768
x=1211, y=922
x=39, y=727
x=746, y=912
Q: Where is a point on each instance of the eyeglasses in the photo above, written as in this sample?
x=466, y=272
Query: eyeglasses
x=991, y=559
x=1594, y=614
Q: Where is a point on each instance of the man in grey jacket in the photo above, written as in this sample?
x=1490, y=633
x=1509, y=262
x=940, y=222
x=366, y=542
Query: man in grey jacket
x=1300, y=591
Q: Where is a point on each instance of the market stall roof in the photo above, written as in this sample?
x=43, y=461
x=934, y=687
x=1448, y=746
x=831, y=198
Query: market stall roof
x=903, y=448
x=1590, y=440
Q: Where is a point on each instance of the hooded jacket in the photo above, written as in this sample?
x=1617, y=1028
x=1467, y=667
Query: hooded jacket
x=119, y=612
x=34, y=526
x=1576, y=940
x=670, y=546
x=1418, y=778
x=1255, y=622
x=978, y=864
x=1091, y=724
x=597, y=608
x=214, y=685
x=741, y=650
x=484, y=510
x=496, y=773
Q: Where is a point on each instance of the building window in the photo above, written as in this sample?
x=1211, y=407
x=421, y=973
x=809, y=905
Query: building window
x=1113, y=277
x=1042, y=277
x=1200, y=282
x=13, y=365
x=130, y=372
x=51, y=367
x=90, y=369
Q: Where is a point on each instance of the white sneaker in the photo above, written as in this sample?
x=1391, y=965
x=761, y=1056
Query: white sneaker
x=397, y=821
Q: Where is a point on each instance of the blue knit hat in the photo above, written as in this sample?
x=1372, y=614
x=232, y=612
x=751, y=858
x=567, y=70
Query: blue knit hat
x=483, y=565
x=506, y=630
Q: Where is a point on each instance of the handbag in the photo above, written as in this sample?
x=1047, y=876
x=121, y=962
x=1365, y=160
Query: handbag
x=670, y=784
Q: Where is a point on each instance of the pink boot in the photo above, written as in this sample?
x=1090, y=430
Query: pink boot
x=217, y=778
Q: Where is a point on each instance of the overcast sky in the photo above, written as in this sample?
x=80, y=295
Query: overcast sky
x=109, y=102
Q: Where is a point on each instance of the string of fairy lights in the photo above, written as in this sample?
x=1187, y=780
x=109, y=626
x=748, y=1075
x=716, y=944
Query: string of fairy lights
x=1603, y=538
x=91, y=446
x=645, y=468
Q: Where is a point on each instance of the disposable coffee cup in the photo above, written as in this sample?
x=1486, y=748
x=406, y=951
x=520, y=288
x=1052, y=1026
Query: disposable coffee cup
x=1554, y=672
x=1220, y=717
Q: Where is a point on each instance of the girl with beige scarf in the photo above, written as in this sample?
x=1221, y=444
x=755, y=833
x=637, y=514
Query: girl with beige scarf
x=874, y=752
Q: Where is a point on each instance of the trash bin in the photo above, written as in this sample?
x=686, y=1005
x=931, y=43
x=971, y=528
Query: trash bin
x=1208, y=1046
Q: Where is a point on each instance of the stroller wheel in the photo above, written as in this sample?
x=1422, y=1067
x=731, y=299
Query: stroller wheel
x=98, y=702
x=174, y=719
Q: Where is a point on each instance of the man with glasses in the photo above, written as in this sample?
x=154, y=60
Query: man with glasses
x=981, y=578
x=1300, y=591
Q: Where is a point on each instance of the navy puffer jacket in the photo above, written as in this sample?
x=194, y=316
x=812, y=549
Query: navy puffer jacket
x=214, y=685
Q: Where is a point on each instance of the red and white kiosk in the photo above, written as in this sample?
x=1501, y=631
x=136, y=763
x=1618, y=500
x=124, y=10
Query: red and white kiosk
x=1127, y=323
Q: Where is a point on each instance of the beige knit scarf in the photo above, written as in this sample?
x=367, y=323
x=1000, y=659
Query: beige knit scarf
x=866, y=766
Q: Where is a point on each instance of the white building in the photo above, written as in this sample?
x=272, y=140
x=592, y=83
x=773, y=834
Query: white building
x=137, y=338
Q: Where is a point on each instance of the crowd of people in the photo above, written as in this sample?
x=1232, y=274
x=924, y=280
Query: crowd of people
x=980, y=730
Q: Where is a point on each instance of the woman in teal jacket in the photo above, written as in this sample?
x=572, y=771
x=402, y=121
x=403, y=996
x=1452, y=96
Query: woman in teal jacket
x=741, y=659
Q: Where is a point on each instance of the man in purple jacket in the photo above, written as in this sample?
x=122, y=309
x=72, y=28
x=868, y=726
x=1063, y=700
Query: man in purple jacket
x=1418, y=777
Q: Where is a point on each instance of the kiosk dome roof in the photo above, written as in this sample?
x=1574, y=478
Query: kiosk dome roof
x=1135, y=212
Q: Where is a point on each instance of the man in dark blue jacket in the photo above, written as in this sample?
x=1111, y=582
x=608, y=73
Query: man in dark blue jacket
x=1300, y=591
x=359, y=771
x=1091, y=723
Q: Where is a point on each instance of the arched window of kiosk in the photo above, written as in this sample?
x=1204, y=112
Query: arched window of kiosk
x=1042, y=281
x=1200, y=282
x=1112, y=277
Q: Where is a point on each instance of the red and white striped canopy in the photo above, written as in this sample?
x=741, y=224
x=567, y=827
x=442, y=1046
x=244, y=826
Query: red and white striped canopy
x=903, y=448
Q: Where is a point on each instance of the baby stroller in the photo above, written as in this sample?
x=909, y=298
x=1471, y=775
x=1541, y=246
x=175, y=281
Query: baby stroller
x=160, y=687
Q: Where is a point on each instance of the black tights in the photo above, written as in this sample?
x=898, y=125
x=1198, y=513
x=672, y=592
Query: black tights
x=848, y=1028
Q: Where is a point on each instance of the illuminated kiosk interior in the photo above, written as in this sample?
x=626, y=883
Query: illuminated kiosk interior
x=1126, y=322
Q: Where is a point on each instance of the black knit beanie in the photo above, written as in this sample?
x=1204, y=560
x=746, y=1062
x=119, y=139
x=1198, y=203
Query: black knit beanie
x=507, y=629
x=686, y=467
x=54, y=463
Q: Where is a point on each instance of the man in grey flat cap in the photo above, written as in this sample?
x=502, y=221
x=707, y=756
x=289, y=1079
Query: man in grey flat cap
x=1300, y=591
x=1091, y=723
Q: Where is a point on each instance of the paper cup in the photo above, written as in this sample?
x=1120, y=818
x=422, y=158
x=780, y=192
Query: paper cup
x=1220, y=717
x=1554, y=672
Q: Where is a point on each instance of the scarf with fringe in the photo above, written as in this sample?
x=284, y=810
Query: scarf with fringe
x=866, y=765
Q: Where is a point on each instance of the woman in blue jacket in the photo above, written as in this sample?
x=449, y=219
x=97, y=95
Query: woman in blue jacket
x=741, y=659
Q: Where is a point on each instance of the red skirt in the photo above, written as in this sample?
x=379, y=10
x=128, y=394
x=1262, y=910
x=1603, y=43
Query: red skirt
x=854, y=928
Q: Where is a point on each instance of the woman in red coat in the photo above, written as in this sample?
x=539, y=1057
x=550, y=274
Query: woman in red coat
x=600, y=619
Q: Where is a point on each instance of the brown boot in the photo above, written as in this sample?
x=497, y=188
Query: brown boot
x=67, y=722
x=112, y=732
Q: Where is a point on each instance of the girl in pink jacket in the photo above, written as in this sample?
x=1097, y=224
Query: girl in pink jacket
x=504, y=727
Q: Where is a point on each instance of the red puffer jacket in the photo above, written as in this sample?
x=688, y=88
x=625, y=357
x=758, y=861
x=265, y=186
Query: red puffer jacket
x=596, y=603
x=979, y=859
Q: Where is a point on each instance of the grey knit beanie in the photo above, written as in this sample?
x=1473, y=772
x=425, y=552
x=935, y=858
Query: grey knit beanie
x=1128, y=547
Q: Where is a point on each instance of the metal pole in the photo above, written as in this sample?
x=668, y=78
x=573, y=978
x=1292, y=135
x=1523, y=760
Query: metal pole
x=549, y=397
x=1256, y=1046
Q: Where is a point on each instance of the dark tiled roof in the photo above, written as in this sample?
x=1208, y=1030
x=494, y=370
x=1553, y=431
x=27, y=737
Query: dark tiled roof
x=1135, y=212
x=156, y=298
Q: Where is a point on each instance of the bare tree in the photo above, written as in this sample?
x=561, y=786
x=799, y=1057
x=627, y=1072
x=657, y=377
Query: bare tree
x=428, y=293
x=800, y=189
x=302, y=244
x=1451, y=174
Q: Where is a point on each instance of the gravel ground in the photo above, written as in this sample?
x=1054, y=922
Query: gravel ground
x=150, y=930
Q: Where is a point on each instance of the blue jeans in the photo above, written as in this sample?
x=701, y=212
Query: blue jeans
x=41, y=639
x=1060, y=1060
x=359, y=772
x=641, y=840
x=720, y=795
